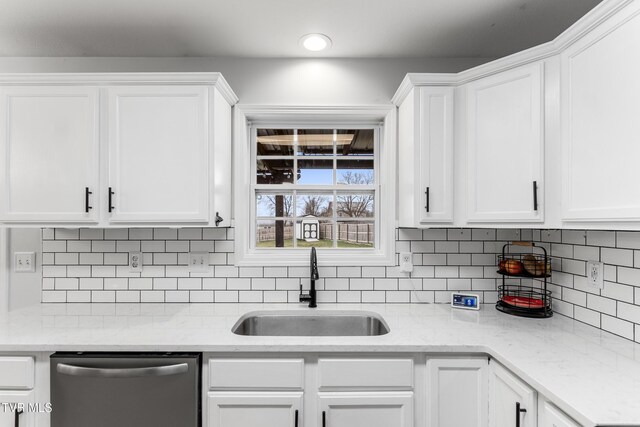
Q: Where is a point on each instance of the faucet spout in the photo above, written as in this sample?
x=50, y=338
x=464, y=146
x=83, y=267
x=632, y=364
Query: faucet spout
x=314, y=265
x=313, y=276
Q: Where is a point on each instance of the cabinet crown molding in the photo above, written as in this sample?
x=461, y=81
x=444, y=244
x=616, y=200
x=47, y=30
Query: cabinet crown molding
x=103, y=79
x=583, y=26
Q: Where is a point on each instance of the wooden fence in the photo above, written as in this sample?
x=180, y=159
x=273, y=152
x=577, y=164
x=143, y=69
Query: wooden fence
x=347, y=231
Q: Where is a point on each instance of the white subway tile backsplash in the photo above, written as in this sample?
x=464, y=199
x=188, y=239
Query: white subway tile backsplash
x=629, y=312
x=617, y=291
x=226, y=296
x=165, y=233
x=618, y=326
x=91, y=265
x=447, y=247
x=459, y=234
x=628, y=239
x=176, y=296
x=574, y=237
x=103, y=246
x=103, y=296
x=115, y=234
x=141, y=234
x=601, y=305
x=601, y=238
x=585, y=315
x=189, y=283
x=263, y=284
x=361, y=284
x=201, y=296
x=617, y=256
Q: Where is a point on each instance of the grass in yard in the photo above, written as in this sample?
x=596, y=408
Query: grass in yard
x=319, y=244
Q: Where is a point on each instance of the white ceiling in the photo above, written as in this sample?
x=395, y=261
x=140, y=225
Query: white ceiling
x=271, y=28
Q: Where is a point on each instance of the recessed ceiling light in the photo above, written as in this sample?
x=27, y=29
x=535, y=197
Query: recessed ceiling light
x=315, y=42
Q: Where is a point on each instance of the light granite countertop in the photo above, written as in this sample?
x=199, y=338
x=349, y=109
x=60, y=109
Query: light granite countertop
x=590, y=374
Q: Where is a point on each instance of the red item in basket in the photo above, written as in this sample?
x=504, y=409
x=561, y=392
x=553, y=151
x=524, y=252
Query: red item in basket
x=525, y=302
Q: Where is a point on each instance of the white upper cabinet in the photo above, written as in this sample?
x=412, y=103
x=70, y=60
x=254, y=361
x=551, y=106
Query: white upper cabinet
x=158, y=154
x=505, y=146
x=49, y=154
x=115, y=149
x=600, y=121
x=425, y=144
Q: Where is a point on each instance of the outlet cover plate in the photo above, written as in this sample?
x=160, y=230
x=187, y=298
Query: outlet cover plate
x=135, y=262
x=595, y=272
x=406, y=262
x=198, y=262
x=25, y=262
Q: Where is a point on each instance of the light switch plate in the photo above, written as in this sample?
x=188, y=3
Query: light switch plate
x=595, y=273
x=25, y=262
x=198, y=262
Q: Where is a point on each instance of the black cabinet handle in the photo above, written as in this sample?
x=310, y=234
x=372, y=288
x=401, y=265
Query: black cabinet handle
x=324, y=419
x=535, y=195
x=17, y=417
x=518, y=412
x=295, y=421
x=219, y=219
x=111, y=193
x=426, y=194
x=87, y=208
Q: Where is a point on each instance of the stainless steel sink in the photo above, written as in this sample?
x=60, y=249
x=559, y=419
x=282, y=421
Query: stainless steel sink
x=311, y=323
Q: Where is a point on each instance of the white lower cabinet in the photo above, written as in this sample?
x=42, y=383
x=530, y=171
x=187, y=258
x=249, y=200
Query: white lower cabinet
x=366, y=409
x=14, y=408
x=511, y=401
x=550, y=416
x=254, y=409
x=371, y=391
x=457, y=392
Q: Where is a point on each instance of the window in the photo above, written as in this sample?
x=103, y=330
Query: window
x=315, y=187
x=314, y=177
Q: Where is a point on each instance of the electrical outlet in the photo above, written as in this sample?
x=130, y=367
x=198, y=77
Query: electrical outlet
x=406, y=262
x=595, y=271
x=25, y=262
x=198, y=262
x=135, y=262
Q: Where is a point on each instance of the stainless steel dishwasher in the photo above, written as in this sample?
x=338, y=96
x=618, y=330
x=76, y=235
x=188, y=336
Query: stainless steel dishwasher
x=126, y=389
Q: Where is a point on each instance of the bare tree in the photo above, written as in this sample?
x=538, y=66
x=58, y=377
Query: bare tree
x=356, y=205
x=316, y=205
x=277, y=205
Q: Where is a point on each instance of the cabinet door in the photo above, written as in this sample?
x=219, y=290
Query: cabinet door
x=425, y=134
x=505, y=146
x=436, y=155
x=600, y=125
x=48, y=154
x=550, y=416
x=158, y=154
x=511, y=402
x=375, y=409
x=457, y=392
x=15, y=410
x=247, y=409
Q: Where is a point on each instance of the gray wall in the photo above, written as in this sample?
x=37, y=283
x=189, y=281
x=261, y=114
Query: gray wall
x=271, y=81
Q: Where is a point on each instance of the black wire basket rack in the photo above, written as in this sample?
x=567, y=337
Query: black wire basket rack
x=524, y=300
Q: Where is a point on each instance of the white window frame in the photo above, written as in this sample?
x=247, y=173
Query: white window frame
x=381, y=118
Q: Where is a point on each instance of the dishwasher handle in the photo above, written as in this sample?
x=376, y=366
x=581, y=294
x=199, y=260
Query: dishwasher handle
x=152, y=371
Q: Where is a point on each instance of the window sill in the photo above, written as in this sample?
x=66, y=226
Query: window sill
x=326, y=257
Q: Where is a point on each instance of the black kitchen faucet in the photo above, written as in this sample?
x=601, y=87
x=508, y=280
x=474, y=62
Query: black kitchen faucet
x=313, y=276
